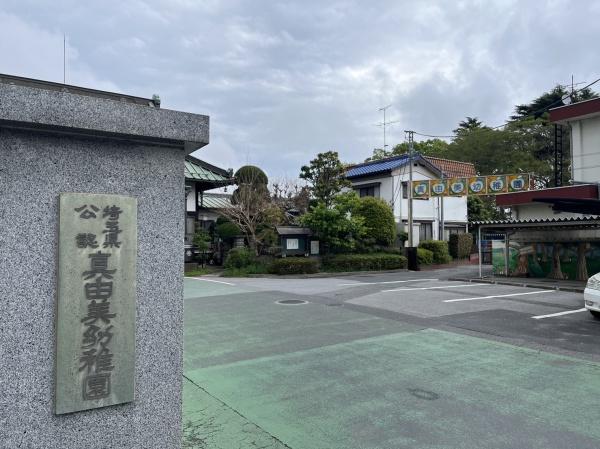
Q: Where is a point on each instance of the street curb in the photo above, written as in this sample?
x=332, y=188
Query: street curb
x=521, y=284
x=318, y=275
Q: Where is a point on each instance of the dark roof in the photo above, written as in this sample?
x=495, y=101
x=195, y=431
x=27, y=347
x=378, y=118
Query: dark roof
x=589, y=191
x=386, y=165
x=214, y=200
x=293, y=230
x=542, y=222
x=199, y=171
x=576, y=111
x=453, y=169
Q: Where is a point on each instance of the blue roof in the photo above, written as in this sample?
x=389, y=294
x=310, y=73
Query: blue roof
x=370, y=168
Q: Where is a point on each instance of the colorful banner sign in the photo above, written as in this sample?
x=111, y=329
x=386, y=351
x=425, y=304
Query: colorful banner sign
x=496, y=184
x=518, y=183
x=477, y=185
x=439, y=187
x=457, y=186
x=420, y=189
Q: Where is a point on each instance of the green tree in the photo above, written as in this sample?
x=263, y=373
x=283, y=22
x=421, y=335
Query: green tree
x=250, y=204
x=378, y=220
x=483, y=209
x=337, y=227
x=202, y=240
x=325, y=175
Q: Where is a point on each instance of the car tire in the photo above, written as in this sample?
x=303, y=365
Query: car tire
x=595, y=314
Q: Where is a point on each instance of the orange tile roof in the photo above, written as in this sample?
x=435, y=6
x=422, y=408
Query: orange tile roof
x=452, y=169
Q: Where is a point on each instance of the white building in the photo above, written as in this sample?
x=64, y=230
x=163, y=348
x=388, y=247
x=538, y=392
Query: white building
x=388, y=179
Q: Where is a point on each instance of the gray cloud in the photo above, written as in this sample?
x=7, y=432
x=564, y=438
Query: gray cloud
x=285, y=80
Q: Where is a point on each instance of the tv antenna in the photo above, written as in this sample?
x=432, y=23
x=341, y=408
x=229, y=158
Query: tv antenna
x=385, y=123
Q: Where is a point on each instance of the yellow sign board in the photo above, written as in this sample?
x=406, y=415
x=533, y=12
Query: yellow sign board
x=474, y=185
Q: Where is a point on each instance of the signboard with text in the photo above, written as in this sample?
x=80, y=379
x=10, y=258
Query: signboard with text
x=95, y=328
x=474, y=185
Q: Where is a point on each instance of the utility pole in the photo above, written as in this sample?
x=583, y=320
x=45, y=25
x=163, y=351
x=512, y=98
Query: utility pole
x=385, y=123
x=441, y=230
x=410, y=135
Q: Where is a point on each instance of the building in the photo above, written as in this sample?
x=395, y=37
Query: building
x=202, y=207
x=297, y=241
x=554, y=232
x=388, y=179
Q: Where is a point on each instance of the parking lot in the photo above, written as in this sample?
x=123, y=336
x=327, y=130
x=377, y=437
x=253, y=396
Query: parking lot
x=389, y=360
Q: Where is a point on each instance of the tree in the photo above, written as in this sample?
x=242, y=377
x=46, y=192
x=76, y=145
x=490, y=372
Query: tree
x=483, y=209
x=202, y=241
x=378, y=220
x=291, y=197
x=250, y=203
x=325, y=175
x=469, y=124
x=336, y=227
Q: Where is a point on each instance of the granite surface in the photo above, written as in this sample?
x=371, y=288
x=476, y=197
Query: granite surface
x=34, y=168
x=34, y=107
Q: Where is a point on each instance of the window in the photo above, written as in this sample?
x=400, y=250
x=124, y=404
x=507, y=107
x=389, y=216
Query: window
x=367, y=191
x=425, y=231
x=404, y=189
x=291, y=243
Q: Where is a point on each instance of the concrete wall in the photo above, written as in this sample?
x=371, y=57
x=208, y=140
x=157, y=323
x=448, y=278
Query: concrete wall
x=585, y=147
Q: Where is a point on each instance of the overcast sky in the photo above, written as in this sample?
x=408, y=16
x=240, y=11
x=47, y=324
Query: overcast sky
x=284, y=80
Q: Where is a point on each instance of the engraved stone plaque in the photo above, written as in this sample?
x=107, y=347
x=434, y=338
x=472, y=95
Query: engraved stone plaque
x=95, y=322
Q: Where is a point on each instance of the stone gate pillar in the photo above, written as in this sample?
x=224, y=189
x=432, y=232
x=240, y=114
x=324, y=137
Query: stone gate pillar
x=57, y=140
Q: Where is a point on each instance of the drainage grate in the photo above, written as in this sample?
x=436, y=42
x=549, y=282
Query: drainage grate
x=291, y=302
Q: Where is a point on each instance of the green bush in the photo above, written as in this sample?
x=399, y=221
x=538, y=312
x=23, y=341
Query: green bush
x=253, y=268
x=439, y=248
x=239, y=258
x=359, y=262
x=425, y=256
x=294, y=265
x=378, y=220
x=460, y=245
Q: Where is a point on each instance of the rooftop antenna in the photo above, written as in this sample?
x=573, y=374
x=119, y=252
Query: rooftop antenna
x=64, y=58
x=385, y=123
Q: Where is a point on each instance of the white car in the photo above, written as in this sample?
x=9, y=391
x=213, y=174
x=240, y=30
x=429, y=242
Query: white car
x=591, y=295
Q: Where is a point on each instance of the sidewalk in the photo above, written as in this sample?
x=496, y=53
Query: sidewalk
x=543, y=283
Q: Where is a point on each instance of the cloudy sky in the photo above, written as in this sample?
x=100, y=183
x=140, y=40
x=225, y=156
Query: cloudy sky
x=284, y=80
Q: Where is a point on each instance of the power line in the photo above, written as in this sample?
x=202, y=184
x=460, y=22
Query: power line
x=531, y=114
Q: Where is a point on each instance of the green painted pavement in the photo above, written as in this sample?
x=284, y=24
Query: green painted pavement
x=318, y=377
x=426, y=389
x=244, y=326
x=208, y=423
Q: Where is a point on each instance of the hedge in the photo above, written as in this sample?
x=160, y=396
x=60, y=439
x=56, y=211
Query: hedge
x=425, y=256
x=239, y=258
x=460, y=245
x=439, y=249
x=294, y=265
x=359, y=262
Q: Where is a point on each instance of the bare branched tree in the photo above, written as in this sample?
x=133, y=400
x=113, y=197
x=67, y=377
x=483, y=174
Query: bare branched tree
x=250, y=203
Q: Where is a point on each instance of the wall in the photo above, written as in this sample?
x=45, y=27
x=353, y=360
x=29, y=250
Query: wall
x=34, y=169
x=585, y=144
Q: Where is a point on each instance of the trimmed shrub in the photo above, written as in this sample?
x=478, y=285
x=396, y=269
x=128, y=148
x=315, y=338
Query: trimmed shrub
x=239, y=258
x=439, y=248
x=425, y=256
x=378, y=220
x=460, y=245
x=360, y=262
x=294, y=265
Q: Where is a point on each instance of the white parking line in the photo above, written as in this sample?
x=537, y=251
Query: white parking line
x=209, y=280
x=388, y=282
x=500, y=296
x=566, y=312
x=433, y=288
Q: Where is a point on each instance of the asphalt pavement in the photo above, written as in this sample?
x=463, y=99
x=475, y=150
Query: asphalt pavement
x=386, y=361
